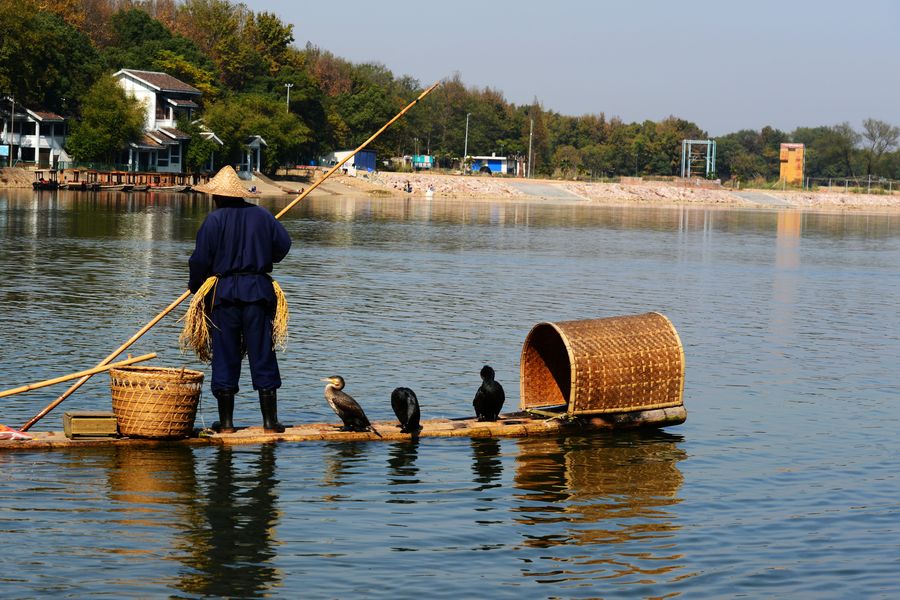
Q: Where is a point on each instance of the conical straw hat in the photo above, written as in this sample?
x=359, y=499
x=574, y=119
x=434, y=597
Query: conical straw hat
x=225, y=183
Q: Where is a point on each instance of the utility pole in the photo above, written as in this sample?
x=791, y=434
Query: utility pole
x=289, y=86
x=466, y=146
x=12, y=127
x=530, y=137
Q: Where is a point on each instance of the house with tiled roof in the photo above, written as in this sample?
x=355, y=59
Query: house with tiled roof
x=31, y=137
x=167, y=99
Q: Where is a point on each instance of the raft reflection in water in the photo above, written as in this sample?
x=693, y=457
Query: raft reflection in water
x=611, y=492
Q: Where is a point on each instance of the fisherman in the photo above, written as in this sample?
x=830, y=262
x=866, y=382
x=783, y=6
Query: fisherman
x=238, y=242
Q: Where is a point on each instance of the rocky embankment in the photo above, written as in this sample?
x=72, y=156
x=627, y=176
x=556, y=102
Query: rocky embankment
x=657, y=193
x=630, y=191
x=15, y=177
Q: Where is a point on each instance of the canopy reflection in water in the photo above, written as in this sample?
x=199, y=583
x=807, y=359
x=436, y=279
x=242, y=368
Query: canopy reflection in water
x=611, y=494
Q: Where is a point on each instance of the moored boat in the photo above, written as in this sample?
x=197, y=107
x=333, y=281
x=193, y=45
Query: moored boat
x=45, y=179
x=169, y=188
x=80, y=186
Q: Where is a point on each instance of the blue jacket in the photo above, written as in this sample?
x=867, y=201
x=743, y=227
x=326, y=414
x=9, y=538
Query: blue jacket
x=239, y=242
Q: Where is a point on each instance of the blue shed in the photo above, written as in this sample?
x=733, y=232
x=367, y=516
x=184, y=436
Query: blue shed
x=493, y=163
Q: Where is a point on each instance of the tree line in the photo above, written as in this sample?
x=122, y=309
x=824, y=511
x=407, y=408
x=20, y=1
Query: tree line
x=58, y=55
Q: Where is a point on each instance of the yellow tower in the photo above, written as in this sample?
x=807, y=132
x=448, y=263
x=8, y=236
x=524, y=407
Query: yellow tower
x=792, y=163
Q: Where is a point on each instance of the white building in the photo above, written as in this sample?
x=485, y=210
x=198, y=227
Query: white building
x=31, y=137
x=166, y=100
x=364, y=161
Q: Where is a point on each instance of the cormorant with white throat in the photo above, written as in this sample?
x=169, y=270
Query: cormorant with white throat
x=345, y=407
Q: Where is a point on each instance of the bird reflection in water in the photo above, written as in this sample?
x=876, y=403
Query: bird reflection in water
x=402, y=462
x=486, y=464
x=343, y=462
x=232, y=541
x=403, y=473
x=487, y=469
x=613, y=492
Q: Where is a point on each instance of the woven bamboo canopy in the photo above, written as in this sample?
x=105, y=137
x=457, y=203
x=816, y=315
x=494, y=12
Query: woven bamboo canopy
x=599, y=366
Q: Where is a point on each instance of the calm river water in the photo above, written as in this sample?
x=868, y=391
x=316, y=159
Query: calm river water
x=783, y=482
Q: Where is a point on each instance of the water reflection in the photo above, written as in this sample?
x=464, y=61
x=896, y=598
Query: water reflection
x=230, y=545
x=140, y=478
x=487, y=467
x=402, y=457
x=403, y=472
x=343, y=461
x=608, y=494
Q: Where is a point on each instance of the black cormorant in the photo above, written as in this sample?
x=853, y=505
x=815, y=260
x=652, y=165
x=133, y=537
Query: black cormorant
x=406, y=407
x=345, y=407
x=489, y=397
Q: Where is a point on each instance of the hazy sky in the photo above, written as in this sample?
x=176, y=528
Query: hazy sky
x=725, y=65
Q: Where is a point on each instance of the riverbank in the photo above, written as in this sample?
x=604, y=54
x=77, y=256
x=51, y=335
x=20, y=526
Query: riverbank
x=630, y=191
x=636, y=191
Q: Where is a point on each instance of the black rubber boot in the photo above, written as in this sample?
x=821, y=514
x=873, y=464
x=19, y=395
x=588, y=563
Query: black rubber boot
x=225, y=423
x=268, y=404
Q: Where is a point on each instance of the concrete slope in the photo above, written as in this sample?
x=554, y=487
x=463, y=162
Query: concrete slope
x=763, y=199
x=543, y=190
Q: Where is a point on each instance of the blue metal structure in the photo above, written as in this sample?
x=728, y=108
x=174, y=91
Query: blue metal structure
x=692, y=160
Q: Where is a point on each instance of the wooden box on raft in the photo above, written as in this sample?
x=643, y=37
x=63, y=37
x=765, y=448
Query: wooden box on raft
x=88, y=424
x=602, y=366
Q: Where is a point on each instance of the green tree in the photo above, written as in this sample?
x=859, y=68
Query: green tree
x=880, y=137
x=238, y=118
x=138, y=41
x=227, y=34
x=665, y=146
x=44, y=62
x=177, y=66
x=829, y=151
x=109, y=121
x=271, y=39
x=567, y=161
x=751, y=154
x=200, y=148
x=366, y=107
x=596, y=160
x=540, y=140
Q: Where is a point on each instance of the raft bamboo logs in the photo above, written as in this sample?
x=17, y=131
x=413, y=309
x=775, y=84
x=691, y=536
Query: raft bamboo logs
x=510, y=425
x=85, y=373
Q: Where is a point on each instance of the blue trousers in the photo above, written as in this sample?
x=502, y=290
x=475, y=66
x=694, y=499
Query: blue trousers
x=250, y=322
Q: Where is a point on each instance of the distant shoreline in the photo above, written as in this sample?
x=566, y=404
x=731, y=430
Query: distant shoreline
x=634, y=192
x=630, y=192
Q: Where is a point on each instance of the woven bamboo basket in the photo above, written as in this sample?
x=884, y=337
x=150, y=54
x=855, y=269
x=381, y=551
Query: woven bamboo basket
x=155, y=402
x=599, y=366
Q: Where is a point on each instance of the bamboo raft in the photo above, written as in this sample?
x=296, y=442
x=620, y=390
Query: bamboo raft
x=576, y=377
x=519, y=424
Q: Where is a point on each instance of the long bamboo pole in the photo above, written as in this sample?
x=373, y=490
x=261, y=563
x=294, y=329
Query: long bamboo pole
x=71, y=376
x=111, y=357
x=352, y=154
x=184, y=296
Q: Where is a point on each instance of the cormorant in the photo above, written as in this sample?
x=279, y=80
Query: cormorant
x=489, y=397
x=406, y=407
x=345, y=407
